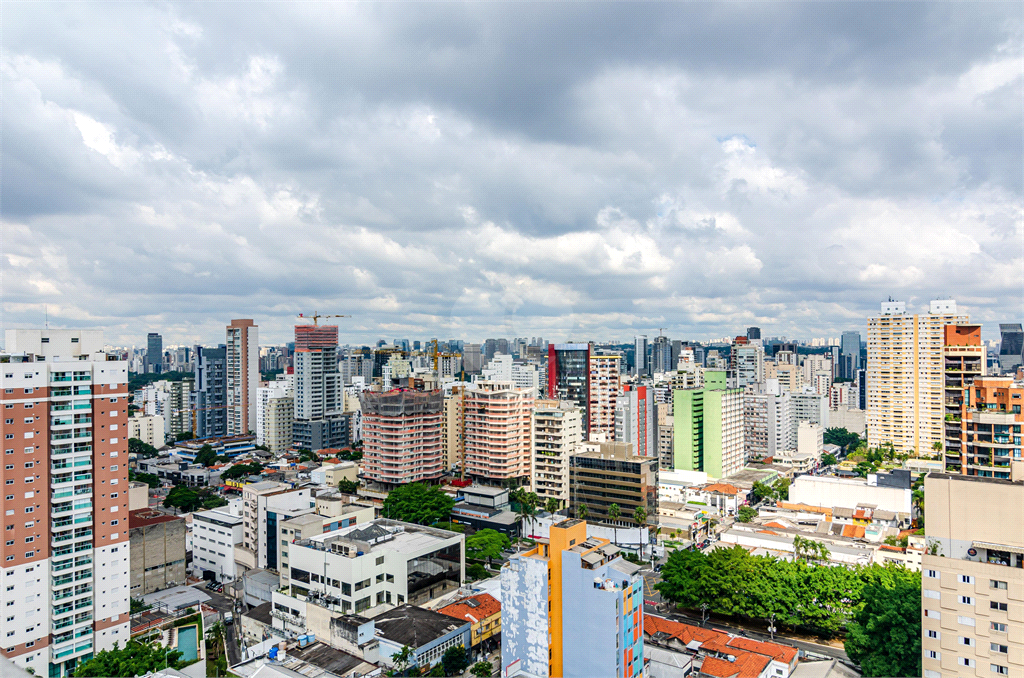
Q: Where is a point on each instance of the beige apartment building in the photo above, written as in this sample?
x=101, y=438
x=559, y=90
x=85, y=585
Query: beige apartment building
x=905, y=374
x=149, y=428
x=972, y=585
x=604, y=394
x=557, y=431
x=451, y=428
x=277, y=423
x=498, y=421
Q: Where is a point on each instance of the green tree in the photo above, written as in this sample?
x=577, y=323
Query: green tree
x=762, y=490
x=482, y=669
x=348, y=486
x=525, y=512
x=746, y=514
x=403, y=659
x=182, y=498
x=885, y=635
x=477, y=571
x=417, y=503
x=455, y=660
x=486, y=543
x=241, y=471
x=206, y=456
x=582, y=512
x=828, y=460
x=150, y=479
x=135, y=659
x=137, y=447
x=780, y=490
x=681, y=578
x=551, y=505
x=613, y=514
x=841, y=437
x=640, y=517
x=182, y=437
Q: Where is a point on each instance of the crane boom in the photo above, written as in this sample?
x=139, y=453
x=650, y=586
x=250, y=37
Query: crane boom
x=316, y=317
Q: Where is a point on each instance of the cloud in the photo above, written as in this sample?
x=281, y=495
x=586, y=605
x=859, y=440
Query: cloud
x=483, y=170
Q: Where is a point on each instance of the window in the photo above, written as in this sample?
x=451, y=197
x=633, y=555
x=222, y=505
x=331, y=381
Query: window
x=113, y=522
x=998, y=627
x=30, y=509
x=114, y=467
x=380, y=578
x=380, y=560
x=30, y=464
x=931, y=574
x=995, y=584
x=8, y=482
x=996, y=647
x=8, y=421
x=966, y=600
x=969, y=642
x=932, y=634
x=932, y=614
x=927, y=593
x=1001, y=670
x=362, y=585
x=965, y=661
x=966, y=579
x=932, y=654
x=965, y=621
x=997, y=606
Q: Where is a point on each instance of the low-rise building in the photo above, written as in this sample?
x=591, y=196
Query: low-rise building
x=427, y=633
x=215, y=533
x=332, y=474
x=149, y=428
x=157, y=551
x=483, y=612
x=885, y=491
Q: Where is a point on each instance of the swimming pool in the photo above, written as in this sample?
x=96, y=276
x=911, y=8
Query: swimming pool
x=188, y=643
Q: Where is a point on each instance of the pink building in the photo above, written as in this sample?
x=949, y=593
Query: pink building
x=402, y=436
x=498, y=431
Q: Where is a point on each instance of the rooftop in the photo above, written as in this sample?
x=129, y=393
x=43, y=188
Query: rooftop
x=382, y=535
x=747, y=665
x=415, y=626
x=474, y=608
x=260, y=613
x=483, y=490
x=145, y=517
x=305, y=519
x=327, y=658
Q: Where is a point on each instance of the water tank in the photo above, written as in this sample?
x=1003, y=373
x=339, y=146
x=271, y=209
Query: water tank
x=273, y=652
x=359, y=553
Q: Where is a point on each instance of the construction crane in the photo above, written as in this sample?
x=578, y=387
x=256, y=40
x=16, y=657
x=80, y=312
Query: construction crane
x=194, y=410
x=661, y=331
x=317, y=316
x=437, y=355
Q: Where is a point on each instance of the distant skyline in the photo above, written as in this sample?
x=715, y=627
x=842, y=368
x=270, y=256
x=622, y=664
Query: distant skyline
x=485, y=169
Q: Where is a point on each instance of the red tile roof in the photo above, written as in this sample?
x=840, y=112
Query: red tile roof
x=684, y=632
x=856, y=531
x=488, y=606
x=722, y=488
x=747, y=665
x=145, y=517
x=782, y=653
x=775, y=524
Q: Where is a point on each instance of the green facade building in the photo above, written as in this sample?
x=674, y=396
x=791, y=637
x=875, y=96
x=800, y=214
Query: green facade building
x=709, y=427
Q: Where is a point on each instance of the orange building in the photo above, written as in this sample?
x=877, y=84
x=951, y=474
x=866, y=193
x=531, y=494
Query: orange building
x=991, y=427
x=963, y=361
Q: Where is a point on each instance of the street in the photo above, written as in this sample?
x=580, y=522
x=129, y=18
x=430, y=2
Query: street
x=225, y=604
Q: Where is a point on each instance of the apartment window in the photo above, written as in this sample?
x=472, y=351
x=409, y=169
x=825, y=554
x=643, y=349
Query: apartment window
x=932, y=634
x=8, y=421
x=9, y=497
x=30, y=509
x=965, y=661
x=9, y=436
x=9, y=467
x=931, y=574
x=998, y=627
x=927, y=593
x=995, y=584
x=932, y=654
x=966, y=600
x=966, y=579
x=997, y=606
x=969, y=642
x=965, y=621
x=10, y=542
x=30, y=464
x=996, y=647
x=8, y=482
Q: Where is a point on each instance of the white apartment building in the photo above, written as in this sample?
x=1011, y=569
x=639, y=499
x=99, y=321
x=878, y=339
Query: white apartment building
x=264, y=394
x=809, y=406
x=604, y=394
x=264, y=505
x=215, y=533
x=147, y=428
x=906, y=376
x=66, y=566
x=749, y=364
x=557, y=431
x=504, y=368
x=634, y=420
x=242, y=375
x=357, y=568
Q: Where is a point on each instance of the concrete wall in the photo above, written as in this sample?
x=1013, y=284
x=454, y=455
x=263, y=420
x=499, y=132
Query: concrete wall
x=524, y=618
x=157, y=556
x=836, y=492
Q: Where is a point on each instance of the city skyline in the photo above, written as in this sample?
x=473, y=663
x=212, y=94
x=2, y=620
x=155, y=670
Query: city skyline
x=483, y=170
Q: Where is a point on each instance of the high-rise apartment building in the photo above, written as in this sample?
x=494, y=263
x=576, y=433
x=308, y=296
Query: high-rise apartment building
x=989, y=426
x=661, y=355
x=242, y=375
x=572, y=607
x=640, y=355
x=665, y=425
x=905, y=375
x=604, y=394
x=497, y=432
x=557, y=432
x=972, y=583
x=754, y=333
x=154, y=352
x=66, y=561
x=472, y=359
x=634, y=420
x=402, y=436
x=179, y=407
x=1011, y=346
x=210, y=396
x=709, y=427
x=849, y=354
x=569, y=377
x=748, y=364
x=963, y=362
x=317, y=380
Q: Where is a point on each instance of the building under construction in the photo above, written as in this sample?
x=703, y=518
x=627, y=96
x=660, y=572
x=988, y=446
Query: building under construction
x=402, y=436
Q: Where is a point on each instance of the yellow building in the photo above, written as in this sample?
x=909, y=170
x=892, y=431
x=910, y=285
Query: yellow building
x=483, y=611
x=906, y=376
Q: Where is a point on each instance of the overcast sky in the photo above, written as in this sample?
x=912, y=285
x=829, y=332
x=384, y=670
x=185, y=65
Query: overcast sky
x=584, y=171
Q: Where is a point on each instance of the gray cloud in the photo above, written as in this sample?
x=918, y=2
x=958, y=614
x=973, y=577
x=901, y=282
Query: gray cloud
x=484, y=169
